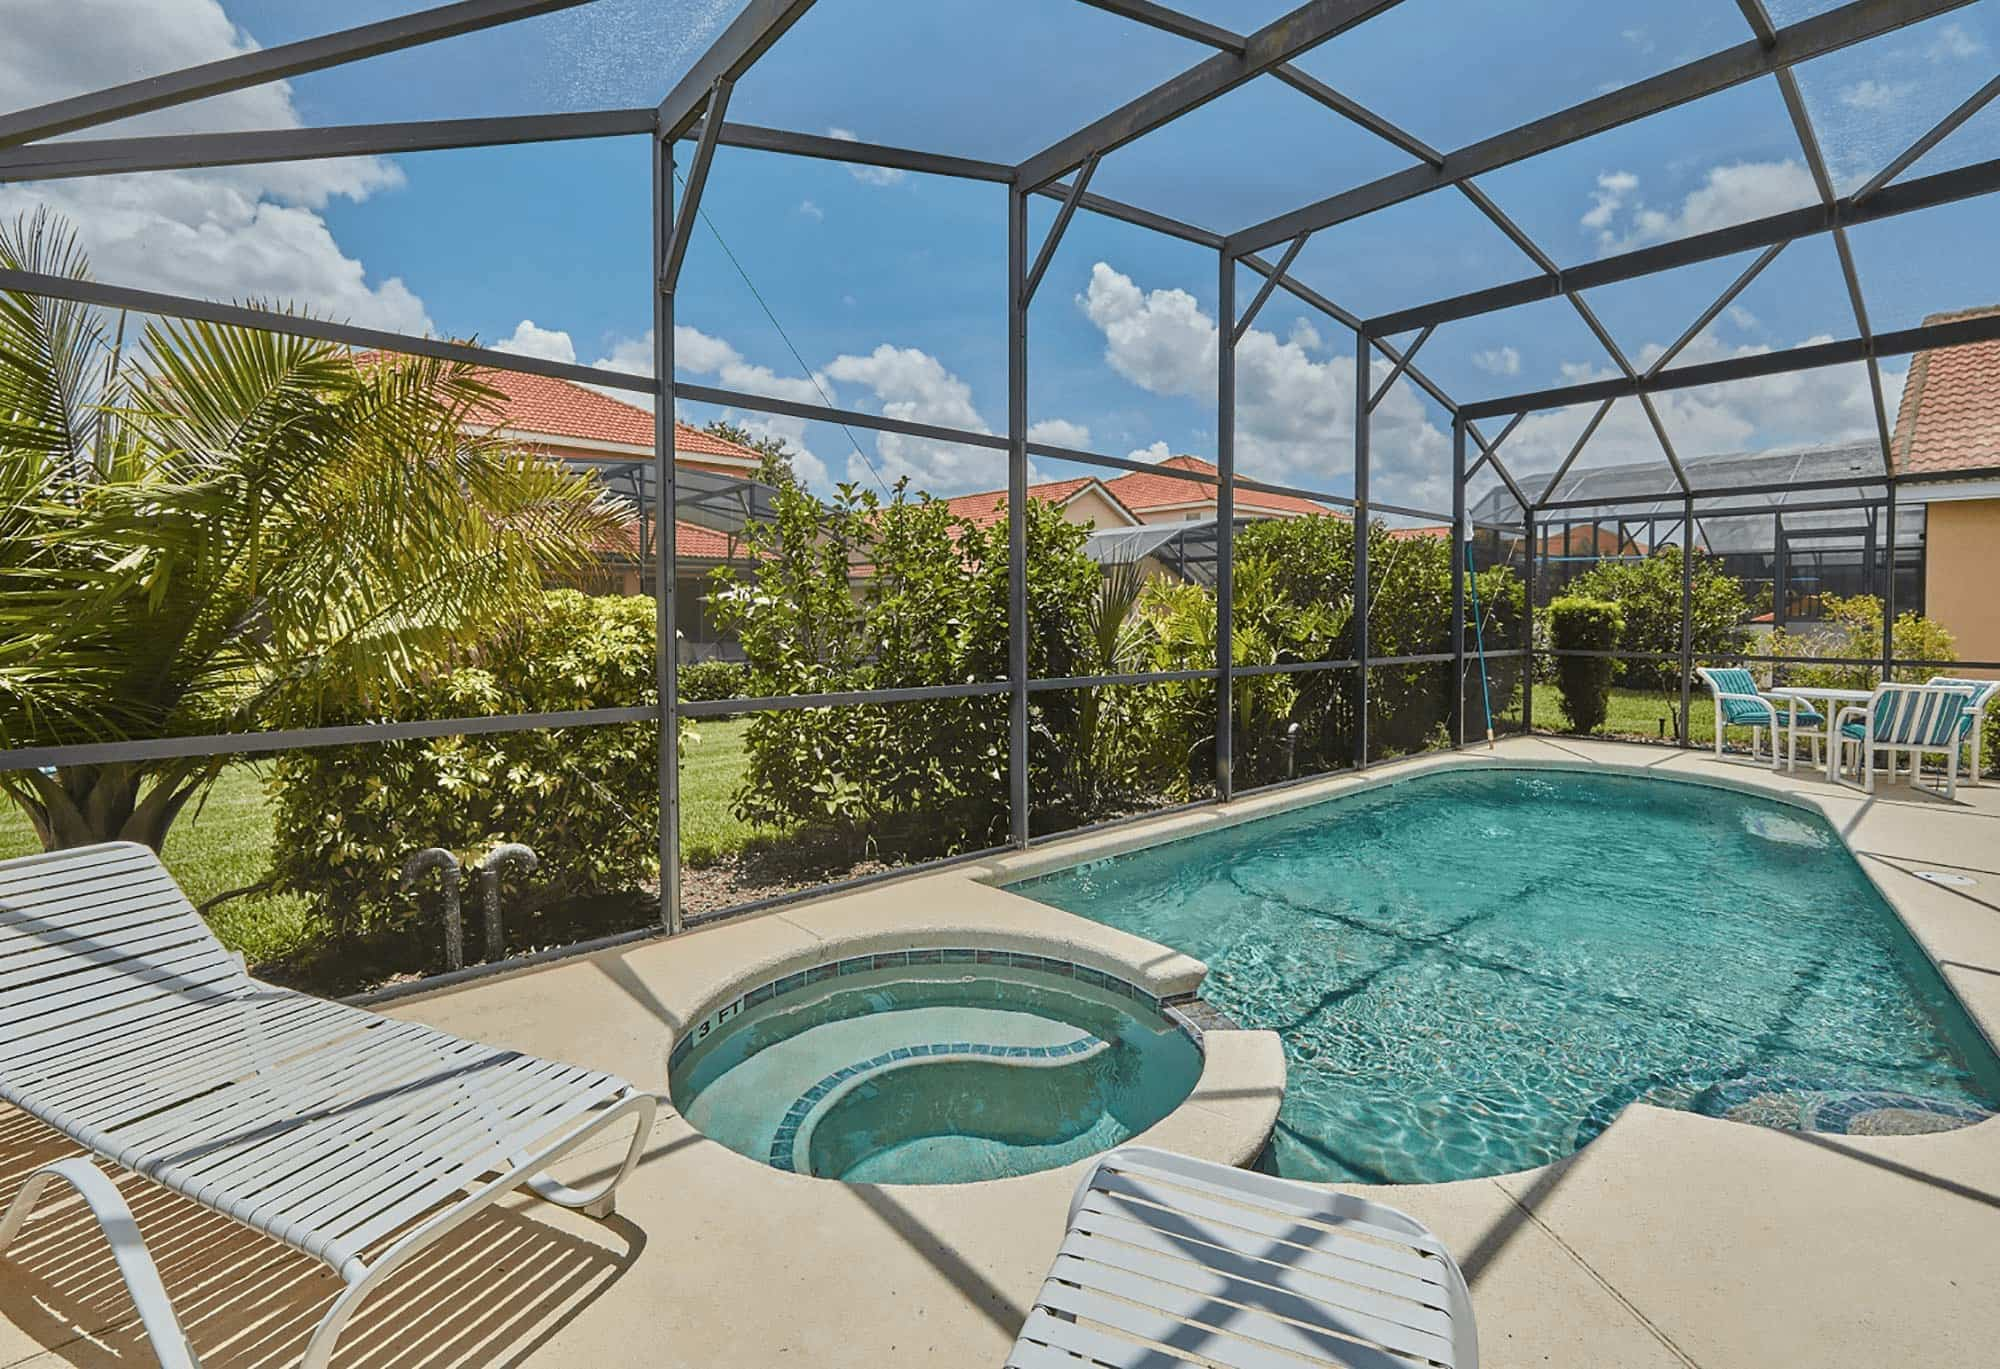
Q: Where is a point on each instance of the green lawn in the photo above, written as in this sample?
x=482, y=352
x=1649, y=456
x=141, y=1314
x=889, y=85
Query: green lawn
x=223, y=844
x=1639, y=713
x=711, y=772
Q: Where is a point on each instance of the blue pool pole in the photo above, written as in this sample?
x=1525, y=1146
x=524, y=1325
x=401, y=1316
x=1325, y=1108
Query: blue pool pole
x=1479, y=636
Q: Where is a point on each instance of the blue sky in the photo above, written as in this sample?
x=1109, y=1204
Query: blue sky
x=891, y=287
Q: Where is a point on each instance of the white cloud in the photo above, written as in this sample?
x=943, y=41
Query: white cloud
x=1157, y=451
x=913, y=385
x=867, y=175
x=1638, y=38
x=531, y=341
x=1742, y=317
x=1876, y=96
x=1807, y=408
x=1728, y=195
x=1499, y=361
x=240, y=233
x=1294, y=414
x=1954, y=44
x=807, y=209
x=1060, y=432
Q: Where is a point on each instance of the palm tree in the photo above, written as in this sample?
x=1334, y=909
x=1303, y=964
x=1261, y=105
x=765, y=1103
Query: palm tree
x=220, y=529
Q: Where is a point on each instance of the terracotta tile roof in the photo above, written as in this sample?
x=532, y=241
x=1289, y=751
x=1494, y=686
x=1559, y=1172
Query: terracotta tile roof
x=1143, y=490
x=990, y=506
x=691, y=542
x=1433, y=530
x=549, y=407
x=1949, y=419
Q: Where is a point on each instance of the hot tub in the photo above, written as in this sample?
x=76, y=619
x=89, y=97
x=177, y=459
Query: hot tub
x=933, y=1066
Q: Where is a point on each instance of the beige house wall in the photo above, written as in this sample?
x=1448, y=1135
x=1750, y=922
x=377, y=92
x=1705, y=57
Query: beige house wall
x=1962, y=575
x=1090, y=506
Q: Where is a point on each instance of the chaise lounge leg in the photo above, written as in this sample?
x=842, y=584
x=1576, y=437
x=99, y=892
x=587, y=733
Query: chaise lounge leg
x=128, y=1248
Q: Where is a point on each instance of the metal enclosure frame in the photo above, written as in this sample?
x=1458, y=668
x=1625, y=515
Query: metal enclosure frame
x=690, y=124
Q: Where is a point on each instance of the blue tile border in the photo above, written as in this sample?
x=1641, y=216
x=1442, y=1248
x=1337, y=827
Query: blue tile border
x=926, y=957
x=784, y=1144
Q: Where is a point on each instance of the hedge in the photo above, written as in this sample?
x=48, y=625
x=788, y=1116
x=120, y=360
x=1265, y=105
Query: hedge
x=586, y=799
x=1580, y=624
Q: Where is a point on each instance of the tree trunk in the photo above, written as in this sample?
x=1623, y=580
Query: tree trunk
x=129, y=801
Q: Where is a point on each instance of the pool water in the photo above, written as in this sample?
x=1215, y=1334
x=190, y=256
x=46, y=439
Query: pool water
x=1473, y=972
x=933, y=1073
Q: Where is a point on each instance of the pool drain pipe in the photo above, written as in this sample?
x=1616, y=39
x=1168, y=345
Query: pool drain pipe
x=507, y=853
x=449, y=875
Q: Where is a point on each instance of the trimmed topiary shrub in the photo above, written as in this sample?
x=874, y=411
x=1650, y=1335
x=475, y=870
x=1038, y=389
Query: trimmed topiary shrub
x=1648, y=595
x=1580, y=624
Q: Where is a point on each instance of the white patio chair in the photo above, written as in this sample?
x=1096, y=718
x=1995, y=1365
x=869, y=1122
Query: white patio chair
x=1171, y=1261
x=1739, y=703
x=1904, y=720
x=1972, y=726
x=351, y=1137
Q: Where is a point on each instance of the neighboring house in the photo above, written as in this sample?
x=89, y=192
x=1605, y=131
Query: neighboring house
x=587, y=429
x=1141, y=498
x=1947, y=434
x=1085, y=500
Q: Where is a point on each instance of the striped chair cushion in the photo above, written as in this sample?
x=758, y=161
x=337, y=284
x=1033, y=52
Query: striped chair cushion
x=1733, y=680
x=1914, y=715
x=1983, y=692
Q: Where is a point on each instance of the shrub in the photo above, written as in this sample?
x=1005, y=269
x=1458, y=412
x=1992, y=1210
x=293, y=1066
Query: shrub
x=1852, y=629
x=586, y=799
x=703, y=681
x=1580, y=624
x=1648, y=595
x=918, y=778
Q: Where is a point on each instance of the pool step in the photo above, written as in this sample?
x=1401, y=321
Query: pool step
x=794, y=1135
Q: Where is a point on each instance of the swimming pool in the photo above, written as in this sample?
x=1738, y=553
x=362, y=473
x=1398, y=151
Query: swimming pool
x=1474, y=971
x=933, y=1066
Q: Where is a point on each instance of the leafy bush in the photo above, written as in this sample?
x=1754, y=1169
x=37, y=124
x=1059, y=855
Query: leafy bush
x=1293, y=601
x=586, y=799
x=915, y=778
x=1648, y=595
x=1852, y=629
x=1580, y=624
x=703, y=681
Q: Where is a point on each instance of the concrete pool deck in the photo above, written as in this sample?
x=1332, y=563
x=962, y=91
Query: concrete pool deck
x=1672, y=1239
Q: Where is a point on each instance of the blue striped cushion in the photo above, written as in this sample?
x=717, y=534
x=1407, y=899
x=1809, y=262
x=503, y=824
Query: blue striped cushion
x=1747, y=711
x=1918, y=717
x=1982, y=693
x=1733, y=680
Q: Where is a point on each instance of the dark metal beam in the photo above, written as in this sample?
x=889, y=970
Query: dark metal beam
x=681, y=232
x=1225, y=528
x=1356, y=113
x=1077, y=190
x=1952, y=333
x=1279, y=41
x=1277, y=273
x=189, y=151
x=1171, y=21
x=820, y=413
x=1400, y=365
x=266, y=65
x=1137, y=217
x=1926, y=192
x=300, y=325
x=1019, y=798
x=748, y=37
x=1852, y=23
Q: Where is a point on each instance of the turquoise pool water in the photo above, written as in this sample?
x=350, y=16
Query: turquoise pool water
x=1474, y=971
x=911, y=1069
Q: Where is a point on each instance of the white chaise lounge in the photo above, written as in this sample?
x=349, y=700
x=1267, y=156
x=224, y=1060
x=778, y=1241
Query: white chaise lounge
x=1171, y=1262
x=351, y=1137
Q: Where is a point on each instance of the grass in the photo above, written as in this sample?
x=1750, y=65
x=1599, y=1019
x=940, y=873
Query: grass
x=223, y=844
x=1639, y=713
x=711, y=772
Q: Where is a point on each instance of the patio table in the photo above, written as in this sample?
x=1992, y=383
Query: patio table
x=1833, y=699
